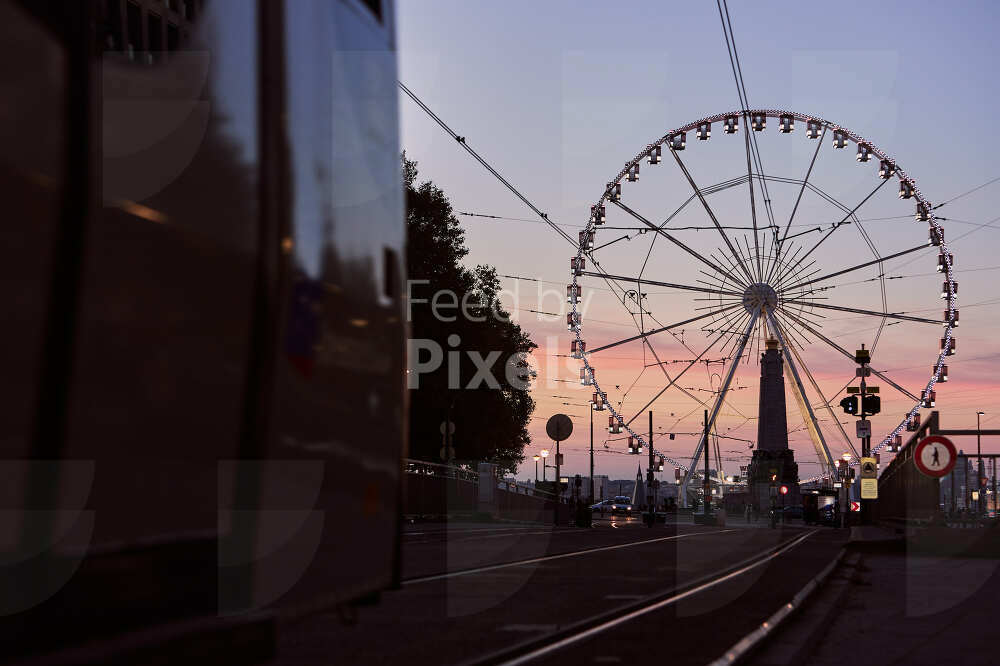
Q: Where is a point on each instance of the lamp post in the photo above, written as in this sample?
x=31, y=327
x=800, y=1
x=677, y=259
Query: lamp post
x=590, y=407
x=545, y=454
x=536, y=467
x=844, y=494
x=979, y=464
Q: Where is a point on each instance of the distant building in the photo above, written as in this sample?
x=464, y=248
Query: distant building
x=957, y=486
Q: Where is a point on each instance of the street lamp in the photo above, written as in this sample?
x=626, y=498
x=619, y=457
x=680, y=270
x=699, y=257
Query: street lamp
x=545, y=454
x=979, y=464
x=536, y=467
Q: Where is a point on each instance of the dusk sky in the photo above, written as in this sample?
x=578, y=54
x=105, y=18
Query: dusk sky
x=559, y=95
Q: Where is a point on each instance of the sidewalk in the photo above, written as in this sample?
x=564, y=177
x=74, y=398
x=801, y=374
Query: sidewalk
x=925, y=600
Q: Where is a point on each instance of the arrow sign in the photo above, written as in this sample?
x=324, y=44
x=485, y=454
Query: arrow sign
x=855, y=506
x=935, y=456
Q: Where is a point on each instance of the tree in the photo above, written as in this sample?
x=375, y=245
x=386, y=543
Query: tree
x=458, y=311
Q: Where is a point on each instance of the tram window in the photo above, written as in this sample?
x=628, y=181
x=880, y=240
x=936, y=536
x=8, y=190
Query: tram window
x=114, y=38
x=134, y=22
x=155, y=26
x=167, y=293
x=173, y=37
x=32, y=173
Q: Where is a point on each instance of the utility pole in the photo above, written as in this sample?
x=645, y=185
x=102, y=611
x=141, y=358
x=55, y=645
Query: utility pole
x=592, y=455
x=558, y=483
x=651, y=516
x=708, y=483
x=980, y=486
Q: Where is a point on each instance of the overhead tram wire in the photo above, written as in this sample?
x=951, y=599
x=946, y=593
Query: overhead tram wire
x=964, y=194
x=544, y=216
x=751, y=139
x=462, y=142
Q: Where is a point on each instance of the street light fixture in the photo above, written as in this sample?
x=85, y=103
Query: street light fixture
x=545, y=454
x=536, y=467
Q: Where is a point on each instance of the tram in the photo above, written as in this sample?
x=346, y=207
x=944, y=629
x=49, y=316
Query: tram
x=202, y=272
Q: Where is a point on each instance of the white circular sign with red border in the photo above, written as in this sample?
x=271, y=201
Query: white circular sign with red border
x=935, y=456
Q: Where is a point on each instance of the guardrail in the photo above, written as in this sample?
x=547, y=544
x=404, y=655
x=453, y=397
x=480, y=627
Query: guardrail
x=904, y=493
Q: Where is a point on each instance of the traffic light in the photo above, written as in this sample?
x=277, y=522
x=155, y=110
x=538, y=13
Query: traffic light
x=872, y=404
x=784, y=490
x=850, y=404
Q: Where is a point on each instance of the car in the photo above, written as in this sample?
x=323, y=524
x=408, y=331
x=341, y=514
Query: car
x=793, y=512
x=603, y=505
x=620, y=504
x=828, y=515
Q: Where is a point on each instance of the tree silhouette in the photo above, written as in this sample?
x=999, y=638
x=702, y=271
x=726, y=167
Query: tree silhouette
x=490, y=421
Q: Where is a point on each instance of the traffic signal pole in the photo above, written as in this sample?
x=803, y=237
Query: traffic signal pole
x=866, y=449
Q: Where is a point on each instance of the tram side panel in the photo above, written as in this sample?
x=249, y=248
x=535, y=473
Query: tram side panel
x=340, y=405
x=146, y=480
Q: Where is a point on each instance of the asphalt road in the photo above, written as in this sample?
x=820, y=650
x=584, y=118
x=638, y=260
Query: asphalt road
x=496, y=592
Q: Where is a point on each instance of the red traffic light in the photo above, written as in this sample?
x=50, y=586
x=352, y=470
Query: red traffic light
x=784, y=490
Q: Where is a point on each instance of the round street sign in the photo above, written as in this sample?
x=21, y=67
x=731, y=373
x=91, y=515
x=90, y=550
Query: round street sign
x=559, y=427
x=935, y=456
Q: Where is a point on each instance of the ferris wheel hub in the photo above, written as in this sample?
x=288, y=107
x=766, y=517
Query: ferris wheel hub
x=758, y=296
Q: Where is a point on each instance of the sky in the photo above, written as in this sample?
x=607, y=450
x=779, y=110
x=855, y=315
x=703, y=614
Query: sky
x=557, y=96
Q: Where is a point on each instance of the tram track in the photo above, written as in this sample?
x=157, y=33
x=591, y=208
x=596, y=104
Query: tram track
x=556, y=556
x=547, y=645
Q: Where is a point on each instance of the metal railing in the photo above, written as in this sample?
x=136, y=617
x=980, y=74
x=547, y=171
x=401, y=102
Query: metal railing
x=425, y=468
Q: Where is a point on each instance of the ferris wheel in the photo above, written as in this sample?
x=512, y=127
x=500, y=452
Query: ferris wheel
x=714, y=269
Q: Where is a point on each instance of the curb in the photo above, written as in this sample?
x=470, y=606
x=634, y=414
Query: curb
x=742, y=649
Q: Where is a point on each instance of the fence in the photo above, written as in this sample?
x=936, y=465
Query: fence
x=435, y=490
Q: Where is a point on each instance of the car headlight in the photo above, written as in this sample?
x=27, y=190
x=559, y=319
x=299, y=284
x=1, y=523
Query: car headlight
x=630, y=508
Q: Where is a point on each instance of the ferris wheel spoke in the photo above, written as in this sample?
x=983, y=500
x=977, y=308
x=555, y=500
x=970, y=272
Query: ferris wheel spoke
x=777, y=280
x=809, y=416
x=711, y=214
x=728, y=262
x=753, y=203
x=723, y=390
x=848, y=354
x=799, y=285
x=661, y=329
x=870, y=313
x=819, y=392
x=656, y=283
x=673, y=381
x=843, y=220
x=795, y=208
x=676, y=242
